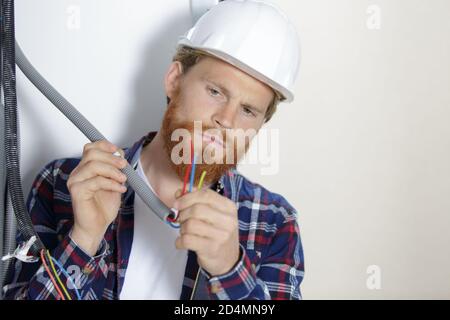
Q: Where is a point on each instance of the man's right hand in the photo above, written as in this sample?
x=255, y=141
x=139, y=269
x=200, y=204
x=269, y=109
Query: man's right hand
x=96, y=186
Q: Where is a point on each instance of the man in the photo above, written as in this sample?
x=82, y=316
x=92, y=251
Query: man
x=236, y=240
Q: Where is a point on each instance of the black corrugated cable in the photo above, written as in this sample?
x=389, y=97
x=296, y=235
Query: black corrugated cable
x=14, y=183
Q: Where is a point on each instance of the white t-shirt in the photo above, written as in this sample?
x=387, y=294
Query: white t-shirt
x=155, y=268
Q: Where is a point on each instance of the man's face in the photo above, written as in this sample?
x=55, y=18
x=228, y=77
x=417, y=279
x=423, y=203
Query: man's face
x=221, y=108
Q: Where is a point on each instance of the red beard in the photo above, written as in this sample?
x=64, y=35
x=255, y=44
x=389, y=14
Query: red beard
x=172, y=122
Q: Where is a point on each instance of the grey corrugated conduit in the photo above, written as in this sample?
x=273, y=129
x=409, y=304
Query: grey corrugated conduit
x=13, y=212
x=139, y=186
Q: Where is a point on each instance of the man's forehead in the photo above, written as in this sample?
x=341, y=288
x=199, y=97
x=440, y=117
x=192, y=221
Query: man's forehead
x=214, y=68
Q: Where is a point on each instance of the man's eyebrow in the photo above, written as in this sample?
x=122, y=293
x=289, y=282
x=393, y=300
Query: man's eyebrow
x=255, y=109
x=227, y=92
x=220, y=86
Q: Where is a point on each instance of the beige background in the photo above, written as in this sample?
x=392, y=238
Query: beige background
x=365, y=148
x=370, y=167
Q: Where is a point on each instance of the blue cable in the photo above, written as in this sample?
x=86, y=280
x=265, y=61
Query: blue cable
x=191, y=182
x=61, y=268
x=173, y=225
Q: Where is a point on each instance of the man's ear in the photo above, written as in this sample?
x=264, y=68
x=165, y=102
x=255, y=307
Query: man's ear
x=173, y=78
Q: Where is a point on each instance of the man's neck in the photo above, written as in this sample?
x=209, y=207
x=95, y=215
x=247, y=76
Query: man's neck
x=158, y=169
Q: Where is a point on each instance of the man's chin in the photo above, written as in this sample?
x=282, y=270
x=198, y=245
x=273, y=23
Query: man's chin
x=213, y=171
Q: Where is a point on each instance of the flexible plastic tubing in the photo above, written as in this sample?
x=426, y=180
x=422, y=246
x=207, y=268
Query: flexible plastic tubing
x=139, y=186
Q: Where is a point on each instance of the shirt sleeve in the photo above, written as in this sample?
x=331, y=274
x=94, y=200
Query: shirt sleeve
x=30, y=281
x=277, y=277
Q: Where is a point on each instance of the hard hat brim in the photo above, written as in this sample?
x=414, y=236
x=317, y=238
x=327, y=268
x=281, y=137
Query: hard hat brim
x=285, y=95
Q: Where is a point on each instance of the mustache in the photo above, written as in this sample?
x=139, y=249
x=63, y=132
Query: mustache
x=207, y=133
x=170, y=123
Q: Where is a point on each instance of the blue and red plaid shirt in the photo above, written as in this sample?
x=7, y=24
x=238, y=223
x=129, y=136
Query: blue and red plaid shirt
x=271, y=264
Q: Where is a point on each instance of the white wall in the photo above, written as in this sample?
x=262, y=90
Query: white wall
x=110, y=65
x=365, y=148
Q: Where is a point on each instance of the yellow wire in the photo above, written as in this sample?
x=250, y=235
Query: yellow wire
x=202, y=177
x=57, y=276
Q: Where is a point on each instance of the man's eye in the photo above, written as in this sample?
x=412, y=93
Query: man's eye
x=213, y=92
x=248, y=111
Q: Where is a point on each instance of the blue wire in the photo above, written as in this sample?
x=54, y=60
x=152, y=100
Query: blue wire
x=61, y=268
x=191, y=182
x=173, y=225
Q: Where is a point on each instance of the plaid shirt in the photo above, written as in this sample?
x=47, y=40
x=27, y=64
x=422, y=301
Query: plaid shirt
x=271, y=255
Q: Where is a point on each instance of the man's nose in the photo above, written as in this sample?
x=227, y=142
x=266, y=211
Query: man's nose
x=225, y=117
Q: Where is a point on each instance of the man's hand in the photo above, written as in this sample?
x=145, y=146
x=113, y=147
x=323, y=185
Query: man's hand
x=96, y=187
x=209, y=226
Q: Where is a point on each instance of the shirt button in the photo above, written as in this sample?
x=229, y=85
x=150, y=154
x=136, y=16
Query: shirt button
x=215, y=287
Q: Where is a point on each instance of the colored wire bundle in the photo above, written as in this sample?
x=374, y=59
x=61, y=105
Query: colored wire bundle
x=188, y=170
x=57, y=276
x=44, y=263
x=61, y=289
x=189, y=174
x=191, y=181
x=64, y=272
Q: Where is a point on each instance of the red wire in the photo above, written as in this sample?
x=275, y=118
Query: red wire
x=61, y=296
x=186, y=178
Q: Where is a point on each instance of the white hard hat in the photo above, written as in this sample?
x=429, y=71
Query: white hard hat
x=254, y=36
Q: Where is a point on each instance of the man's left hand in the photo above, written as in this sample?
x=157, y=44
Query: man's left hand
x=209, y=226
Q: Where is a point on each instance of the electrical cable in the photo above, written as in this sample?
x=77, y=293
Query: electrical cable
x=186, y=178
x=57, y=276
x=173, y=225
x=191, y=183
x=188, y=171
x=202, y=177
x=50, y=275
x=70, y=112
x=24, y=223
x=66, y=274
